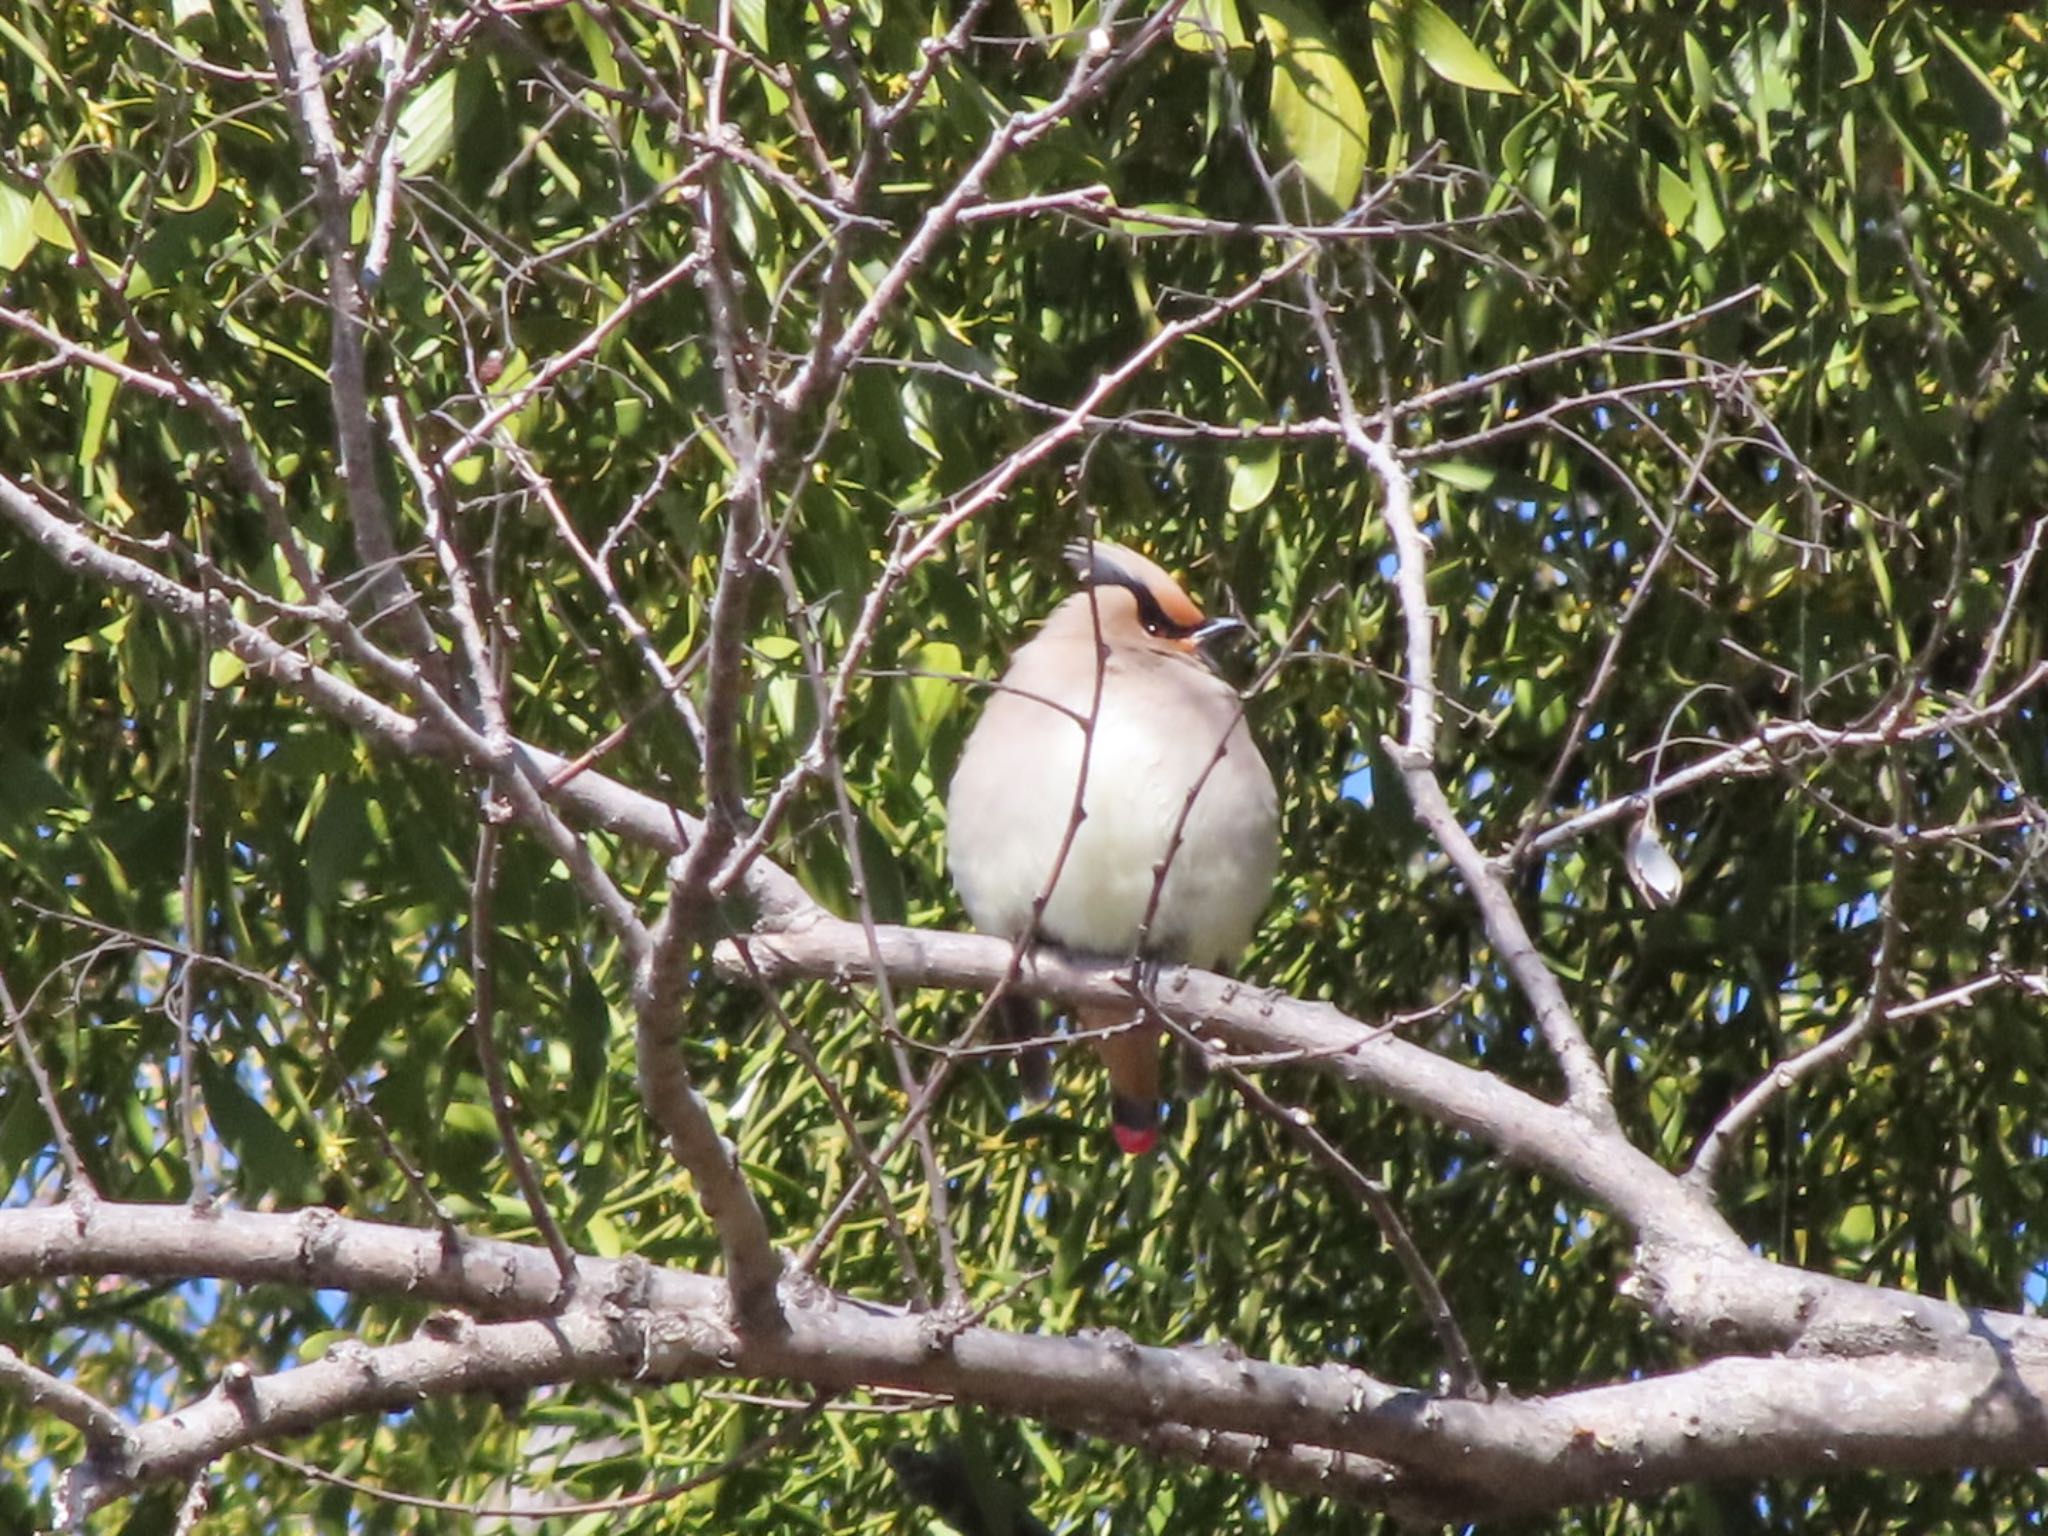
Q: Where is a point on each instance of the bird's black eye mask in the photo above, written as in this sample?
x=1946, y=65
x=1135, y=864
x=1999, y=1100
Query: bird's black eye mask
x=1093, y=564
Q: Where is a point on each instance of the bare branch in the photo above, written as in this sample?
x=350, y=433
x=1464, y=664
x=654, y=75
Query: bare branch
x=1871, y=1019
x=1964, y=1398
x=46, y=1095
x=182, y=1001
x=1782, y=743
x=528, y=389
x=1460, y=1366
x=297, y=59
x=1092, y=72
x=2022, y=568
x=753, y=1265
x=482, y=1022
x=1585, y=1084
x=106, y=1432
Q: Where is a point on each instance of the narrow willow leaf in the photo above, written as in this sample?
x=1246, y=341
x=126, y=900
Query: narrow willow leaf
x=426, y=128
x=1452, y=55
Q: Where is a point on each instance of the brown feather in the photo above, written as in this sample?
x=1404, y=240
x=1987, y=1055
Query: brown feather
x=1132, y=1057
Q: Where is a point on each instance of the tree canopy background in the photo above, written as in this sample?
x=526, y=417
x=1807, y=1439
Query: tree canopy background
x=702, y=395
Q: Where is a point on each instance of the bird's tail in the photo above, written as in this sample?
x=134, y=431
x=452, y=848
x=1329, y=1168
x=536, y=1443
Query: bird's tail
x=1019, y=1018
x=1132, y=1057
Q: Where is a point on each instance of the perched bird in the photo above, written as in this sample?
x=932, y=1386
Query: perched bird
x=1116, y=682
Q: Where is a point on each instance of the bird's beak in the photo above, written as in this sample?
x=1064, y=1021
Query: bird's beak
x=1216, y=628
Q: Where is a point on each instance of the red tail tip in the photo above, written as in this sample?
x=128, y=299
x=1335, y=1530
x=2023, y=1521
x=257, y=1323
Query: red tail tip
x=1135, y=1143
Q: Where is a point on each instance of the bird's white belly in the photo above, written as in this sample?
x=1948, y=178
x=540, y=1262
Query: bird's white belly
x=1139, y=782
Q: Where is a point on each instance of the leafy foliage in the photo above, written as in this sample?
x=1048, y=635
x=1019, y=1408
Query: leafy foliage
x=1811, y=503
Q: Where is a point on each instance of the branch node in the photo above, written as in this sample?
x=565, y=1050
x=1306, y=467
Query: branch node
x=448, y=1325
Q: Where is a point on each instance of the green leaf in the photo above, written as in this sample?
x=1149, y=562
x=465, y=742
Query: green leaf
x=1699, y=72
x=205, y=179
x=1389, y=52
x=588, y=1021
x=268, y=1158
x=1451, y=54
x=53, y=198
x=426, y=128
x=1824, y=233
x=1317, y=107
x=100, y=388
x=17, y=229
x=338, y=840
x=23, y=45
x=935, y=697
x=753, y=19
x=257, y=339
x=1674, y=198
x=1859, y=54
x=1707, y=225
x=1254, y=472
x=1460, y=474
x=1206, y=25
x=224, y=669
x=1978, y=105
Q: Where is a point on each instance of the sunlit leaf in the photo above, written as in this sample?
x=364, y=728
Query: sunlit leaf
x=1451, y=54
x=426, y=126
x=17, y=228
x=1317, y=107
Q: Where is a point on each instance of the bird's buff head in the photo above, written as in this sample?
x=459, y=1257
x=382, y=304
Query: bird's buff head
x=1161, y=609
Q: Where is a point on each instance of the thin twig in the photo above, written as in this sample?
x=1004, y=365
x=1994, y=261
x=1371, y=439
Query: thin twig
x=482, y=1022
x=746, y=1455
x=800, y=1041
x=2022, y=567
x=184, y=1008
x=1604, y=670
x=74, y=1166
x=1767, y=750
x=1459, y=1365
x=1586, y=1085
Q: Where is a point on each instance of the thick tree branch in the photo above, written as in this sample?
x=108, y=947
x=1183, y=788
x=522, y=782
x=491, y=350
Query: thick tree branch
x=106, y=1432
x=753, y=1266
x=1977, y=1404
x=1602, y=1166
x=1693, y=1272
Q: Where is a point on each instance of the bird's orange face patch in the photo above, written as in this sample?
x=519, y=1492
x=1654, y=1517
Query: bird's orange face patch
x=1164, y=610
